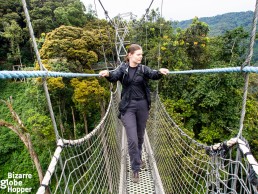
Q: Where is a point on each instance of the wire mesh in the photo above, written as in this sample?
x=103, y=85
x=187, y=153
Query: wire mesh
x=91, y=164
x=185, y=167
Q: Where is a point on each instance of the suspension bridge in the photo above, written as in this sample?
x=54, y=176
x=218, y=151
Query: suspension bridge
x=175, y=163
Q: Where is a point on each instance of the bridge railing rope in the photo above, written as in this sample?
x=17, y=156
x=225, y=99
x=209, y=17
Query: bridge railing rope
x=35, y=74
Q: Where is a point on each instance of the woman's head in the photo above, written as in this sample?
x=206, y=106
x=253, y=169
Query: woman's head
x=131, y=51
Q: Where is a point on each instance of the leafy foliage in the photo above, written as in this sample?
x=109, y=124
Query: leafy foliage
x=195, y=40
x=77, y=45
x=13, y=33
x=30, y=104
x=88, y=97
x=45, y=16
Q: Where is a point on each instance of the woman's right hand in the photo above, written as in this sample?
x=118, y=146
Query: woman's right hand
x=104, y=73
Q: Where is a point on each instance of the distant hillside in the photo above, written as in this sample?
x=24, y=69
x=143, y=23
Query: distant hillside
x=221, y=23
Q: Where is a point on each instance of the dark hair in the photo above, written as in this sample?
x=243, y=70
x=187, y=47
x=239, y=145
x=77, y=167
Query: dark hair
x=131, y=49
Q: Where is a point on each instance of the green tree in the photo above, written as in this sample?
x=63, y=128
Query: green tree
x=45, y=16
x=29, y=103
x=13, y=33
x=76, y=45
x=88, y=97
x=50, y=14
x=234, y=45
x=73, y=14
x=195, y=38
x=24, y=135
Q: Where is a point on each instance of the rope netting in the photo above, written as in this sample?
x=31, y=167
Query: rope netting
x=90, y=164
x=186, y=166
x=179, y=164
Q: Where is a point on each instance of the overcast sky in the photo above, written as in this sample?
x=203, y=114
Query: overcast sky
x=172, y=9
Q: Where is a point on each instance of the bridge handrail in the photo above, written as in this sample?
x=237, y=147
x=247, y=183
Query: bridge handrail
x=63, y=142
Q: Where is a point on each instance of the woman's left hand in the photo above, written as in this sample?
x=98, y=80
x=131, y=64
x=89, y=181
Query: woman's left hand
x=164, y=71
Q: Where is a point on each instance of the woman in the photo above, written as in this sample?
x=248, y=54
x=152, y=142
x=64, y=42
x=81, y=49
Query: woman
x=135, y=101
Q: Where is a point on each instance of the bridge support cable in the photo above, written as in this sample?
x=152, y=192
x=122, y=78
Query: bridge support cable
x=246, y=84
x=41, y=68
x=247, y=64
x=121, y=25
x=108, y=31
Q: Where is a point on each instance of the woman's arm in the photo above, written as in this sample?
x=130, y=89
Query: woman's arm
x=155, y=74
x=112, y=76
x=104, y=73
x=164, y=71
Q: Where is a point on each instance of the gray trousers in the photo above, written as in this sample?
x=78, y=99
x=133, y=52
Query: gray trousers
x=134, y=121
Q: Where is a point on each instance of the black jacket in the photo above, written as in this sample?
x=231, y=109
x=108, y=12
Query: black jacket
x=143, y=74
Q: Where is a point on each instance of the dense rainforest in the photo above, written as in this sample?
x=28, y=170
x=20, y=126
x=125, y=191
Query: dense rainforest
x=71, y=38
x=219, y=24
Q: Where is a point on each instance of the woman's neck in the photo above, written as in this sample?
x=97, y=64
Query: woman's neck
x=132, y=64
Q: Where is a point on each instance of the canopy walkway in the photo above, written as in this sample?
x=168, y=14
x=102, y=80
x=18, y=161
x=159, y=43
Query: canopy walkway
x=98, y=163
x=175, y=162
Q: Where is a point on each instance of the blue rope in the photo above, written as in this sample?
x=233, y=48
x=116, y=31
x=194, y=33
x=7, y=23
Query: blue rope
x=30, y=74
x=219, y=70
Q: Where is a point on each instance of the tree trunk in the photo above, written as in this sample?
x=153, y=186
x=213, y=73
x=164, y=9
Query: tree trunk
x=23, y=134
x=74, y=123
x=85, y=123
x=25, y=137
x=34, y=157
x=19, y=51
x=102, y=108
x=61, y=121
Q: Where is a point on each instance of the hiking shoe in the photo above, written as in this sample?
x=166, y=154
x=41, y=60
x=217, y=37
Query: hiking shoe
x=143, y=164
x=135, y=177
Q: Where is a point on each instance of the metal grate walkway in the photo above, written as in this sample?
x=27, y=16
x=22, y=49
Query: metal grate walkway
x=146, y=184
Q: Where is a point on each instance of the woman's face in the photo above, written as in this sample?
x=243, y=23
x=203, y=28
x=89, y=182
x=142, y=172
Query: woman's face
x=136, y=57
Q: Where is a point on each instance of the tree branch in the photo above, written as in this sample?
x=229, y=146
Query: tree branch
x=21, y=131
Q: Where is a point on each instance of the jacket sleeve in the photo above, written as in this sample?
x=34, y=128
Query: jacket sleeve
x=115, y=75
x=152, y=74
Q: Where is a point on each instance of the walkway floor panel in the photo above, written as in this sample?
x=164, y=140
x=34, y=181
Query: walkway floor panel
x=146, y=184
